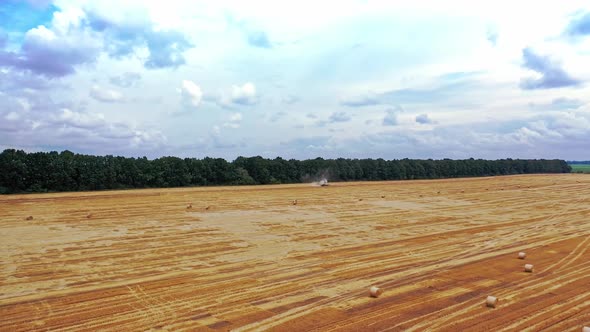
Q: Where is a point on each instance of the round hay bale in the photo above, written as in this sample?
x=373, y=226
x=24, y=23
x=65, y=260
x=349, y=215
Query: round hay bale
x=208, y=207
x=29, y=218
x=491, y=301
x=375, y=291
x=294, y=202
x=360, y=199
x=521, y=255
x=189, y=206
x=88, y=216
x=528, y=268
x=382, y=196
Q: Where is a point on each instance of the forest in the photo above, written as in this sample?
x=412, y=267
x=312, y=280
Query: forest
x=22, y=172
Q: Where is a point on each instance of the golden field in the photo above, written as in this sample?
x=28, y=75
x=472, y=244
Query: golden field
x=248, y=259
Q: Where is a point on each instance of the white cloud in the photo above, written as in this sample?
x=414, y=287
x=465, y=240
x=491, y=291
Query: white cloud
x=64, y=21
x=236, y=117
x=423, y=119
x=244, y=95
x=234, y=121
x=191, y=94
x=390, y=118
x=12, y=116
x=456, y=62
x=40, y=34
x=79, y=119
x=106, y=95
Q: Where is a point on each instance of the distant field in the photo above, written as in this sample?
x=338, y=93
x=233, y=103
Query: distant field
x=249, y=259
x=584, y=168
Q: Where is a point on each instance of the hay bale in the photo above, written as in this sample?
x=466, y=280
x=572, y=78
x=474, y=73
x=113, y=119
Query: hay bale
x=189, y=206
x=528, y=268
x=521, y=255
x=208, y=207
x=382, y=196
x=491, y=301
x=360, y=199
x=29, y=218
x=375, y=291
x=294, y=202
x=88, y=216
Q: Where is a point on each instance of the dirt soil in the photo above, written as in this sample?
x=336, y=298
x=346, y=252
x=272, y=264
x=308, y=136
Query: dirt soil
x=248, y=259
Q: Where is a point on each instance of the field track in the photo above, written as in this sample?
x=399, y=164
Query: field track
x=247, y=259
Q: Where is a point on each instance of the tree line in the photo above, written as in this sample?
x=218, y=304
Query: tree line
x=66, y=171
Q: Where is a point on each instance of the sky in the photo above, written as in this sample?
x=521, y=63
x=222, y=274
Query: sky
x=297, y=79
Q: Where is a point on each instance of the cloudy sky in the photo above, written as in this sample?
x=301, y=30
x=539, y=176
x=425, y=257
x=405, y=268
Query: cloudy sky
x=297, y=79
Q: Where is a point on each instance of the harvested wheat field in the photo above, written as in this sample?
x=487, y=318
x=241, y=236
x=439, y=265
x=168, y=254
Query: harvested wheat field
x=250, y=259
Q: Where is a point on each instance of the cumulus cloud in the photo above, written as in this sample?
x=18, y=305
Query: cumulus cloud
x=424, y=119
x=41, y=122
x=105, y=95
x=234, y=122
x=244, y=95
x=55, y=51
x=552, y=74
x=390, y=118
x=126, y=34
x=15, y=81
x=166, y=49
x=191, y=94
x=12, y=116
x=308, y=143
x=579, y=26
x=79, y=119
x=77, y=37
x=560, y=135
x=125, y=80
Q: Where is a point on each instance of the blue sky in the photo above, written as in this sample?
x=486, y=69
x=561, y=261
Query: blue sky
x=305, y=79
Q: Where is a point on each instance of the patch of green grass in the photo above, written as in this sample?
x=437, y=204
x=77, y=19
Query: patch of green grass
x=580, y=168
